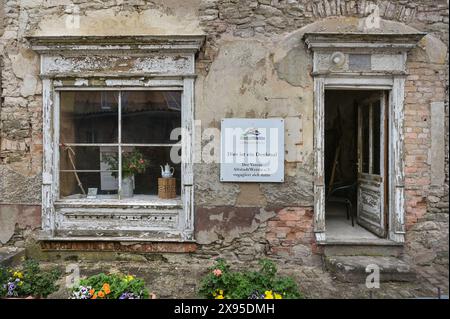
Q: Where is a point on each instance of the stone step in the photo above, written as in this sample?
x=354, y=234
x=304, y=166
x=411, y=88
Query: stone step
x=11, y=256
x=353, y=268
x=363, y=250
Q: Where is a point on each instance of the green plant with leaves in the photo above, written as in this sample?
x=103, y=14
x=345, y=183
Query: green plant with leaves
x=132, y=163
x=29, y=280
x=222, y=283
x=4, y=276
x=110, y=286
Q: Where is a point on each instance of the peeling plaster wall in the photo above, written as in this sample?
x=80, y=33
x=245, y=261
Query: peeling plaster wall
x=253, y=64
x=249, y=78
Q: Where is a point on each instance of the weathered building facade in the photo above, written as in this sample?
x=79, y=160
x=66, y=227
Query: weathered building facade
x=291, y=59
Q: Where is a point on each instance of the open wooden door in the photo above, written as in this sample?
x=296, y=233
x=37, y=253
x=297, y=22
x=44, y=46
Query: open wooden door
x=372, y=164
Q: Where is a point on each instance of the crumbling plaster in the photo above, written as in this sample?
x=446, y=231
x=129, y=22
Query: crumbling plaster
x=260, y=78
x=166, y=18
x=253, y=65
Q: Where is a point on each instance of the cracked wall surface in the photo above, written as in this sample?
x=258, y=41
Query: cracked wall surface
x=253, y=64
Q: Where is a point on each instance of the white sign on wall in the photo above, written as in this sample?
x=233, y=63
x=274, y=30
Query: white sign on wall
x=252, y=150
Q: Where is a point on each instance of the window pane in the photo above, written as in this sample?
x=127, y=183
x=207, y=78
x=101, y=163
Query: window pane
x=365, y=139
x=87, y=157
x=150, y=116
x=103, y=182
x=376, y=138
x=143, y=164
x=89, y=117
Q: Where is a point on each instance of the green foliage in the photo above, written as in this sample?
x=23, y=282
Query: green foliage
x=221, y=283
x=38, y=282
x=132, y=163
x=4, y=275
x=28, y=280
x=110, y=286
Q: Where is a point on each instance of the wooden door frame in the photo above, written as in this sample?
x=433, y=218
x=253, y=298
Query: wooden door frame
x=395, y=113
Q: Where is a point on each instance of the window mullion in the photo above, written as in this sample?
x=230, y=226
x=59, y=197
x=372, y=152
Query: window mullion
x=120, y=143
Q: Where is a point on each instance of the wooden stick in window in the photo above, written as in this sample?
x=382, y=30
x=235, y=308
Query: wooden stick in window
x=71, y=152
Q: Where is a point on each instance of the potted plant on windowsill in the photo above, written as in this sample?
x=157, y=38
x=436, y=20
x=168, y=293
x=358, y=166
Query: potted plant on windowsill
x=132, y=163
x=28, y=281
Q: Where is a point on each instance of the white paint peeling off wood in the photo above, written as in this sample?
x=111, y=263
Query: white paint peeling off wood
x=68, y=66
x=123, y=82
x=162, y=83
x=187, y=153
x=47, y=169
x=398, y=180
x=388, y=58
x=187, y=116
x=173, y=64
x=319, y=144
x=187, y=220
x=81, y=82
x=371, y=186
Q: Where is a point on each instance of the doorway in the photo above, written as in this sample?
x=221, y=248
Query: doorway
x=356, y=164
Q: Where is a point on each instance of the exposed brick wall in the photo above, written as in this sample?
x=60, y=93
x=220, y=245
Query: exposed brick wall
x=425, y=84
x=120, y=247
x=290, y=233
x=426, y=207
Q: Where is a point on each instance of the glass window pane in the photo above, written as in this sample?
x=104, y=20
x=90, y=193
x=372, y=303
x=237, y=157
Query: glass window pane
x=86, y=157
x=150, y=116
x=89, y=117
x=376, y=138
x=143, y=166
x=365, y=139
x=104, y=183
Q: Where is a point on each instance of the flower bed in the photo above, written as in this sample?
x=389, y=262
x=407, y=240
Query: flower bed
x=28, y=281
x=222, y=283
x=111, y=286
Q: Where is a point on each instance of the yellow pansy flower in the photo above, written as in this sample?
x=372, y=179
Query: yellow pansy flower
x=268, y=294
x=219, y=297
x=278, y=296
x=18, y=274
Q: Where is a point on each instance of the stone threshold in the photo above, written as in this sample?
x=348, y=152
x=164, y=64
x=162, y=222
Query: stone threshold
x=360, y=242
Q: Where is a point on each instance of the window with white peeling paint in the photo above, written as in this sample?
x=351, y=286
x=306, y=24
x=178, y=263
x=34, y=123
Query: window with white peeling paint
x=115, y=111
x=97, y=126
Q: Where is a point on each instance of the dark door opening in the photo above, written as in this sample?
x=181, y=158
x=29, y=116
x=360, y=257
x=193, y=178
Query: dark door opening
x=355, y=164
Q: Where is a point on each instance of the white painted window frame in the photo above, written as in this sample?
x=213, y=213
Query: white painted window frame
x=75, y=219
x=329, y=77
x=395, y=88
